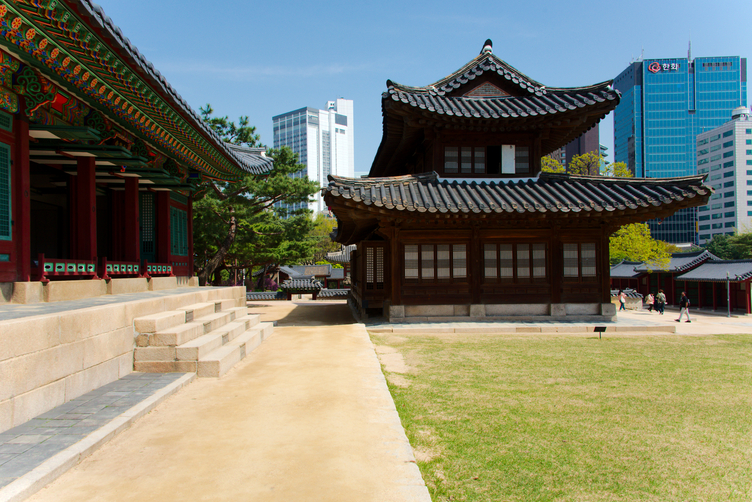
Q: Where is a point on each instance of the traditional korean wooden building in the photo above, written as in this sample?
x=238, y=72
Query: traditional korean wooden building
x=456, y=220
x=99, y=155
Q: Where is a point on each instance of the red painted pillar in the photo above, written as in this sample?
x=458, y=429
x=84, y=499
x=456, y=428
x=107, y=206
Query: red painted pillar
x=87, y=209
x=131, y=221
x=748, y=296
x=163, y=227
x=21, y=199
x=190, y=236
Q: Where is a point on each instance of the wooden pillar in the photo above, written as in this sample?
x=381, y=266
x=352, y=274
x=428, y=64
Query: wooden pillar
x=395, y=271
x=715, y=298
x=130, y=222
x=190, y=236
x=557, y=264
x=699, y=295
x=21, y=215
x=475, y=265
x=748, y=297
x=603, y=266
x=162, y=213
x=87, y=209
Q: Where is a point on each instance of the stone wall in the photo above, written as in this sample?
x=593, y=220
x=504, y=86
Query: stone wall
x=47, y=360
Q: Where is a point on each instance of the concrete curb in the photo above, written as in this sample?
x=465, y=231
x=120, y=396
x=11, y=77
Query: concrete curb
x=492, y=330
x=41, y=476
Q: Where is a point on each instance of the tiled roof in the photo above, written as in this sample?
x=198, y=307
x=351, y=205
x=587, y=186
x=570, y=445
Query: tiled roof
x=342, y=256
x=715, y=271
x=253, y=159
x=308, y=284
x=451, y=103
x=630, y=293
x=337, y=274
x=95, y=17
x=681, y=262
x=625, y=270
x=333, y=293
x=265, y=295
x=554, y=193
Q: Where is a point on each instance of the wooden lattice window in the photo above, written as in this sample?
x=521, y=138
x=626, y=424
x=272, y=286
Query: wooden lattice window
x=521, y=262
x=435, y=262
x=374, y=268
x=580, y=260
x=179, y=231
x=146, y=213
x=6, y=229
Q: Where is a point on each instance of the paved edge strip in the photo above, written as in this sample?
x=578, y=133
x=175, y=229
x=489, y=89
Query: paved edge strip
x=489, y=330
x=415, y=487
x=53, y=468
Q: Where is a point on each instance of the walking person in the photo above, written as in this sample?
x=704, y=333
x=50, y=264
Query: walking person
x=622, y=300
x=660, y=300
x=684, y=307
x=649, y=301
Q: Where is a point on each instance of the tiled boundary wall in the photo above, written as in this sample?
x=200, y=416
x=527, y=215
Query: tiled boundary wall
x=48, y=360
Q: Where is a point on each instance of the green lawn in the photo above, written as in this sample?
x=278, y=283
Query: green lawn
x=574, y=418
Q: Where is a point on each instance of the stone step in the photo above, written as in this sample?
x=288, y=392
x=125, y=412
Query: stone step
x=199, y=310
x=159, y=321
x=176, y=335
x=203, y=345
x=219, y=361
x=165, y=366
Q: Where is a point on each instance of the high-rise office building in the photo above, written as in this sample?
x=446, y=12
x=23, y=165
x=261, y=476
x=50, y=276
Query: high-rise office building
x=323, y=140
x=725, y=154
x=665, y=104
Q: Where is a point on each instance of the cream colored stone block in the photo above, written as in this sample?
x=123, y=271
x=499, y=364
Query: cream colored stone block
x=26, y=335
x=125, y=365
x=132, y=285
x=58, y=291
x=165, y=366
x=193, y=282
x=37, y=401
x=6, y=292
x=7, y=386
x=101, y=348
x=608, y=309
x=396, y=312
x=174, y=302
x=44, y=367
x=6, y=415
x=528, y=309
x=80, y=324
x=92, y=378
x=159, y=321
x=429, y=310
x=462, y=310
x=154, y=354
x=162, y=283
x=583, y=308
x=558, y=309
x=143, y=308
x=28, y=292
x=478, y=310
x=228, y=304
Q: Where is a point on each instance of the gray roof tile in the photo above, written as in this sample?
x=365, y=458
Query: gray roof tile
x=715, y=271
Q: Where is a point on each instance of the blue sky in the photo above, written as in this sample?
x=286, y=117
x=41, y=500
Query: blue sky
x=266, y=58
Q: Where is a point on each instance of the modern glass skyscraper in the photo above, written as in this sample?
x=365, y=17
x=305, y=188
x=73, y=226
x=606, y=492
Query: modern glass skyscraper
x=323, y=140
x=665, y=104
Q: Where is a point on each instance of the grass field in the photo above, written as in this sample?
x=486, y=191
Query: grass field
x=574, y=418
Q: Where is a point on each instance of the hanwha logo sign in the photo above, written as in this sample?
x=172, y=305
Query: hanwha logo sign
x=654, y=67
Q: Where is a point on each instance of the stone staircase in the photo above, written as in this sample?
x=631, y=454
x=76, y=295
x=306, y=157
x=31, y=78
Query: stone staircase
x=205, y=338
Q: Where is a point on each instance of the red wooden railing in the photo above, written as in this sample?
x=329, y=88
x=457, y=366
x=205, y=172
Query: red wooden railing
x=62, y=268
x=112, y=269
x=151, y=269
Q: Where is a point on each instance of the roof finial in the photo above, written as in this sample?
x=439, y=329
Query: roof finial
x=487, y=47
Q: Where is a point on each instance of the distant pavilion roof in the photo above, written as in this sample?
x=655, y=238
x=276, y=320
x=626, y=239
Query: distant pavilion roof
x=715, y=271
x=681, y=262
x=626, y=270
x=469, y=99
x=426, y=196
x=342, y=256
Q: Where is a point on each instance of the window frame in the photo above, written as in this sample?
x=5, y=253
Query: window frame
x=515, y=278
x=454, y=264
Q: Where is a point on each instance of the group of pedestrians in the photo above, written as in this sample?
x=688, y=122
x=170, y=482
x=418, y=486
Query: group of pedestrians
x=659, y=302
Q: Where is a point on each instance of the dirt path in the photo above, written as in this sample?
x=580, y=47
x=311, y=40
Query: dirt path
x=306, y=416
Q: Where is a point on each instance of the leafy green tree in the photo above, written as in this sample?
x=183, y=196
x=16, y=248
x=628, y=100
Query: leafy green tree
x=238, y=222
x=634, y=243
x=551, y=165
x=323, y=226
x=720, y=245
x=741, y=244
x=586, y=164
